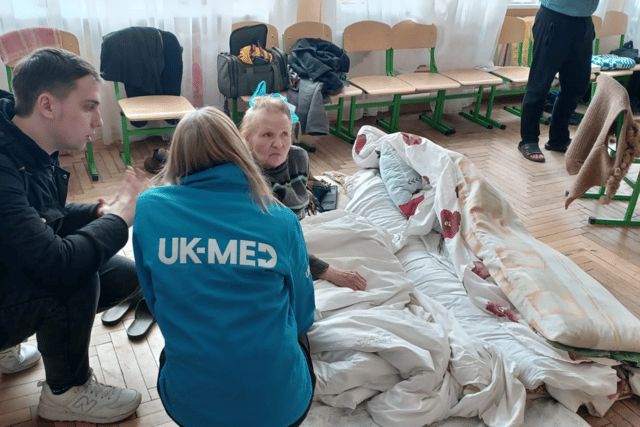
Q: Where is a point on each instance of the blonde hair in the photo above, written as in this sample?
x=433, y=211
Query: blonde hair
x=268, y=104
x=204, y=138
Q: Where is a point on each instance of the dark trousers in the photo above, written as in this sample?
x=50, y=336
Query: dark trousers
x=562, y=44
x=303, y=341
x=63, y=324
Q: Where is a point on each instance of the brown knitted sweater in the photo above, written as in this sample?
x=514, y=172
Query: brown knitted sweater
x=588, y=155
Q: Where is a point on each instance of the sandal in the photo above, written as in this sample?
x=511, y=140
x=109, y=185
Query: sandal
x=115, y=314
x=528, y=149
x=561, y=149
x=142, y=322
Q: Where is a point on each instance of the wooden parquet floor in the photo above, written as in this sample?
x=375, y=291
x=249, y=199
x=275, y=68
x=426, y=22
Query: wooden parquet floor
x=535, y=190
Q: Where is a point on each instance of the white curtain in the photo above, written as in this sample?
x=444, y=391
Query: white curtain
x=202, y=28
x=632, y=9
x=468, y=31
x=629, y=7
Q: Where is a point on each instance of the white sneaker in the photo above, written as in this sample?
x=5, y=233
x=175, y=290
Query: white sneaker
x=92, y=402
x=18, y=358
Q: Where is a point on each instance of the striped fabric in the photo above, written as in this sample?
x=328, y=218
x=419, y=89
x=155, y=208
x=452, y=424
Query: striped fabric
x=17, y=44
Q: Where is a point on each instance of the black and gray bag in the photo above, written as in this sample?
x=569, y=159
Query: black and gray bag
x=235, y=78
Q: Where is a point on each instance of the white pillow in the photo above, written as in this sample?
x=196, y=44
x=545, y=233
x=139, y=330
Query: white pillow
x=402, y=181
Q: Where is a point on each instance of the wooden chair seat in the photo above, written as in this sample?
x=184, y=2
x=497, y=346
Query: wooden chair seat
x=382, y=85
x=428, y=82
x=155, y=107
x=618, y=73
x=472, y=77
x=347, y=92
x=515, y=74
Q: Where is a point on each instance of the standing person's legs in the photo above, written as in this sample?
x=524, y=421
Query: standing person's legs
x=549, y=50
x=574, y=81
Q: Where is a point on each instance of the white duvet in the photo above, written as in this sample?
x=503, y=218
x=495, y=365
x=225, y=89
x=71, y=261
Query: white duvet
x=399, y=349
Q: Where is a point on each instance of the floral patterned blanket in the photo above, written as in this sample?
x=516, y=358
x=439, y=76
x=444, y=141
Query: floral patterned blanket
x=483, y=235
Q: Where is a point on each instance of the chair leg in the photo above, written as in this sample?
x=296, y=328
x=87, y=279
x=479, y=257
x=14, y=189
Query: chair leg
x=126, y=154
x=392, y=125
x=91, y=161
x=339, y=130
x=475, y=117
x=236, y=116
x=632, y=200
x=487, y=116
x=300, y=143
x=349, y=134
x=435, y=120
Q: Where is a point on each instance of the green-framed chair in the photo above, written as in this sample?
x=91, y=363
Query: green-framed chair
x=469, y=78
x=412, y=35
x=614, y=95
x=631, y=198
x=318, y=30
x=118, y=62
x=614, y=25
x=513, y=32
x=373, y=36
x=68, y=42
x=148, y=108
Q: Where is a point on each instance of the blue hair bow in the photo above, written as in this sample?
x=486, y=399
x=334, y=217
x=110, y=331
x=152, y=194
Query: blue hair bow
x=261, y=90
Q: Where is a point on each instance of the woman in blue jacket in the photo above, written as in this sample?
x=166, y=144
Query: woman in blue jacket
x=224, y=269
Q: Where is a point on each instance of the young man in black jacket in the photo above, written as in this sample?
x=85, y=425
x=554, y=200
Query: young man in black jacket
x=58, y=262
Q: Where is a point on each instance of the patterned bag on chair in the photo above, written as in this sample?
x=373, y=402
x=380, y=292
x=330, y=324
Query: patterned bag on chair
x=255, y=55
x=612, y=62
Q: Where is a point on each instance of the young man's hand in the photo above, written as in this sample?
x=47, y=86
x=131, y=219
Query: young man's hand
x=124, y=202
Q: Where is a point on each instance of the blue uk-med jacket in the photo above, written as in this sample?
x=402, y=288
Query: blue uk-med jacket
x=231, y=290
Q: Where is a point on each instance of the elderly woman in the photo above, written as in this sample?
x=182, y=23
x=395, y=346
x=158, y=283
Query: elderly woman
x=224, y=269
x=267, y=128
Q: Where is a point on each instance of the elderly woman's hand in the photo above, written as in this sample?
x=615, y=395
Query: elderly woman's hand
x=345, y=279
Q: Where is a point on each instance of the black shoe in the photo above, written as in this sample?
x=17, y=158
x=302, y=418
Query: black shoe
x=154, y=163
